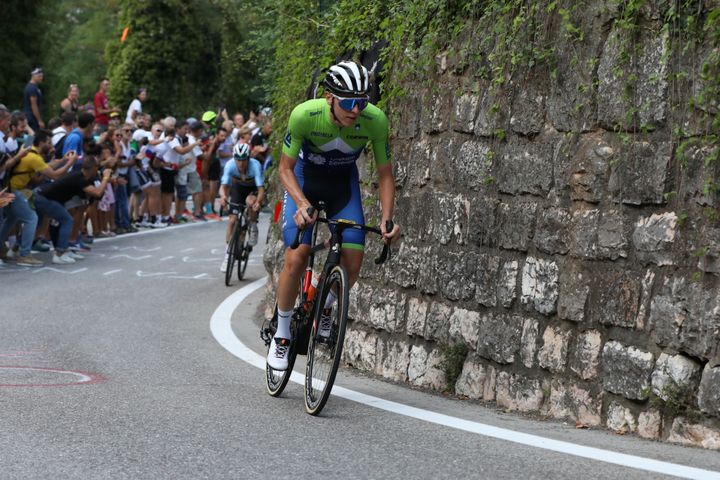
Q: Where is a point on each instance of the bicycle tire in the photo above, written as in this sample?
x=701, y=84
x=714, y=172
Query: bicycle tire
x=231, y=255
x=323, y=356
x=244, y=255
x=277, y=380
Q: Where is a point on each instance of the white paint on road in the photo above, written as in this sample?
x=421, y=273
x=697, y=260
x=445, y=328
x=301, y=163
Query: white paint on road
x=59, y=270
x=167, y=258
x=137, y=249
x=141, y=274
x=113, y=271
x=198, y=260
x=220, y=326
x=202, y=276
x=151, y=231
x=130, y=257
x=187, y=250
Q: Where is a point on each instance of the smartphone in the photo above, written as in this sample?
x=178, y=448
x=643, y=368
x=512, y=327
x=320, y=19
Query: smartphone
x=29, y=139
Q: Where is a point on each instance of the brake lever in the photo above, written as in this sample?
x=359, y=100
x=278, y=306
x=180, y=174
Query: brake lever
x=298, y=236
x=385, y=254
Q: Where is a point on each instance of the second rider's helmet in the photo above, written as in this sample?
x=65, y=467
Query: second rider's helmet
x=347, y=79
x=241, y=151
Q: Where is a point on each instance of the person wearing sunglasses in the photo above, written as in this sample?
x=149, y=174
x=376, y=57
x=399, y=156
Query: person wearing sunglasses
x=242, y=184
x=325, y=138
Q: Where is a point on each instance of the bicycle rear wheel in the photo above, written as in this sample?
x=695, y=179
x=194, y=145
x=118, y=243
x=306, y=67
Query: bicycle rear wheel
x=324, y=353
x=231, y=254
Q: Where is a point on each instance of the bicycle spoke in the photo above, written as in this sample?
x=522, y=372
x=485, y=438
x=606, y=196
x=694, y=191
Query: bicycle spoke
x=324, y=353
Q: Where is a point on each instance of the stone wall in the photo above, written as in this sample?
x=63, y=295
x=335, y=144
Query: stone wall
x=556, y=240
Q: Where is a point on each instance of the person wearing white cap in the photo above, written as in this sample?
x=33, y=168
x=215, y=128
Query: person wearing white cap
x=33, y=100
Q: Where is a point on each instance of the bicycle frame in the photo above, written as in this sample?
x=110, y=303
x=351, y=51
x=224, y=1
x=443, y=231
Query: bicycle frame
x=335, y=254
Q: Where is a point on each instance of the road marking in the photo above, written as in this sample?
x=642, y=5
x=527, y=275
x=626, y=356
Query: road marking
x=220, y=326
x=187, y=250
x=57, y=270
x=153, y=230
x=202, y=276
x=113, y=271
x=85, y=378
x=130, y=257
x=137, y=249
x=198, y=260
x=166, y=258
x=140, y=273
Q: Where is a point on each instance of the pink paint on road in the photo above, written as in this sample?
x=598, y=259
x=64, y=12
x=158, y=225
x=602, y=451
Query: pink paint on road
x=85, y=378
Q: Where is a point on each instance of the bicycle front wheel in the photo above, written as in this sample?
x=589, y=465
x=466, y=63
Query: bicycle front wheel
x=231, y=255
x=326, y=344
x=244, y=250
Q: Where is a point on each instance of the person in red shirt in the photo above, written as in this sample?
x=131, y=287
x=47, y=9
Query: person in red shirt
x=102, y=106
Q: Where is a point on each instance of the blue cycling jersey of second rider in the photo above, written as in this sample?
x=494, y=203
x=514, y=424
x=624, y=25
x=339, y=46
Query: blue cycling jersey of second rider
x=253, y=177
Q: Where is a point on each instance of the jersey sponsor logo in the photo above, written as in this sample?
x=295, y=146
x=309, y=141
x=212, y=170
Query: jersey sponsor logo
x=357, y=137
x=288, y=139
x=315, y=113
x=322, y=134
x=334, y=161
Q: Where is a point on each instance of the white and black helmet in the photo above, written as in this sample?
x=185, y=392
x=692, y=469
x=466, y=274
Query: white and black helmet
x=347, y=78
x=241, y=151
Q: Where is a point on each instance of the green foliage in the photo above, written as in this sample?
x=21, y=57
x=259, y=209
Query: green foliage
x=246, y=67
x=21, y=24
x=74, y=48
x=673, y=400
x=172, y=49
x=452, y=364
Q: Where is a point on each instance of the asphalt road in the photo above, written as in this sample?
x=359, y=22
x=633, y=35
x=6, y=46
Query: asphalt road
x=109, y=369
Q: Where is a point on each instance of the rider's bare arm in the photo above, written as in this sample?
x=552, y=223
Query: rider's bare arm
x=290, y=182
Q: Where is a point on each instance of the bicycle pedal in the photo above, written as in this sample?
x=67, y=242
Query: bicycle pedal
x=267, y=332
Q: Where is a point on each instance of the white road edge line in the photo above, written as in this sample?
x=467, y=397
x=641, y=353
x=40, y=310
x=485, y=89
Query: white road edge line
x=153, y=230
x=220, y=326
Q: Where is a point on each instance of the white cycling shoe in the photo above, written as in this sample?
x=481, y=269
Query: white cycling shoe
x=278, y=353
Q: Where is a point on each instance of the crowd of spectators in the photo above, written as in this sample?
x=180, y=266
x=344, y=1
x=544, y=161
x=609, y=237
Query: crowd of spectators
x=91, y=171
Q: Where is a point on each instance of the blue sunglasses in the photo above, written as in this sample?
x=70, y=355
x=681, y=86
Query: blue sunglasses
x=348, y=104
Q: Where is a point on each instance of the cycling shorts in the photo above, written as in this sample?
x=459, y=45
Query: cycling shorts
x=340, y=190
x=238, y=195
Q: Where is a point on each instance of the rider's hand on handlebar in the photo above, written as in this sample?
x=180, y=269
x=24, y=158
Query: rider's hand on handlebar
x=223, y=201
x=392, y=235
x=302, y=219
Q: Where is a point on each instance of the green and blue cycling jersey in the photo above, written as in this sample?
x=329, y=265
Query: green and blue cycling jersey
x=326, y=166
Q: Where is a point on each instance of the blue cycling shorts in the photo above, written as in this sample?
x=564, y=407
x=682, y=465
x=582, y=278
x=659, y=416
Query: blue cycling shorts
x=340, y=190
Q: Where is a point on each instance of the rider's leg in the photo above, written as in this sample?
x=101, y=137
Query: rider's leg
x=288, y=286
x=231, y=224
x=252, y=214
x=351, y=259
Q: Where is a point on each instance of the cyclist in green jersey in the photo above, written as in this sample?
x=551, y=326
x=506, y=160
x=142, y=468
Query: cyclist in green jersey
x=318, y=163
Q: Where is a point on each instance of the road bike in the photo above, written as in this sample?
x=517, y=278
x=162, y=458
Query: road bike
x=323, y=351
x=239, y=247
